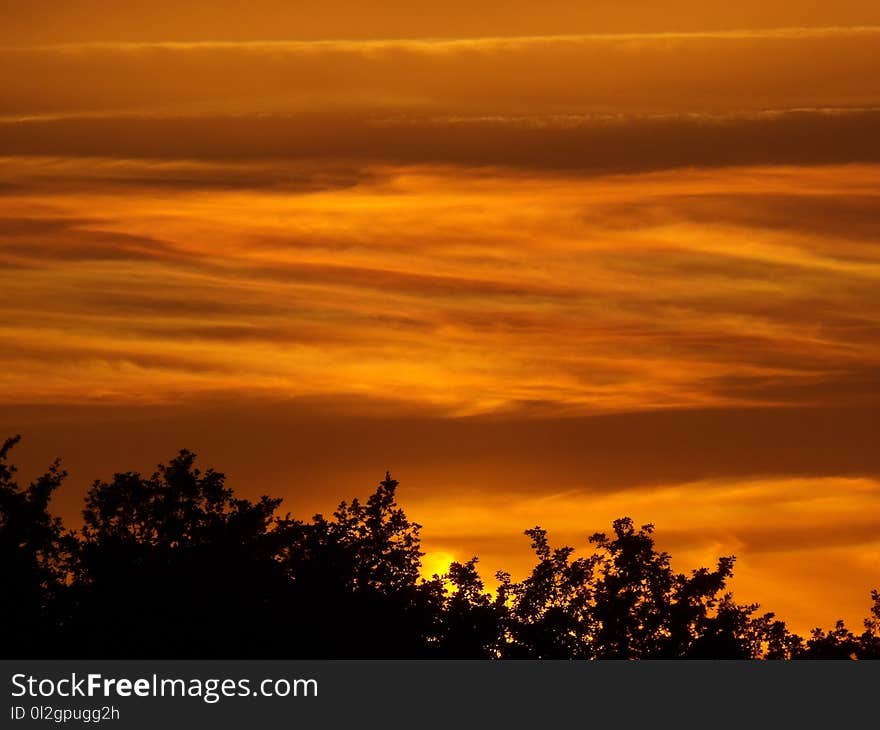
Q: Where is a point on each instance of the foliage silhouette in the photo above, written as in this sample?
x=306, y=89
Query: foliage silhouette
x=175, y=565
x=35, y=555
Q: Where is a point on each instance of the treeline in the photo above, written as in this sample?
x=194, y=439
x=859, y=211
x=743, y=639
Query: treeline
x=175, y=565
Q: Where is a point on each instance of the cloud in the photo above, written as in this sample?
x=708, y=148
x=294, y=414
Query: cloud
x=37, y=241
x=474, y=291
x=403, y=282
x=110, y=175
x=550, y=265
x=853, y=216
x=631, y=73
x=587, y=145
x=792, y=492
x=43, y=21
x=780, y=529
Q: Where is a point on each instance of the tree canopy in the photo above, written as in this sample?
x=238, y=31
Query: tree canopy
x=174, y=565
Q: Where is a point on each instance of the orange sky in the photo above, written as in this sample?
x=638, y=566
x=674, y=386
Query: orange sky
x=550, y=263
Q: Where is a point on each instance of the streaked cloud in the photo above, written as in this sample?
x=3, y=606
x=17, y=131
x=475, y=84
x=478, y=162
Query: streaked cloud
x=707, y=72
x=551, y=263
x=584, y=145
x=514, y=288
x=795, y=539
x=43, y=21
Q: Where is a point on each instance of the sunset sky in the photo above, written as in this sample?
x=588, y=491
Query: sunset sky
x=550, y=263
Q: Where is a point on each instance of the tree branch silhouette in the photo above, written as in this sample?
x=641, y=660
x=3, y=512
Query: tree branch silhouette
x=174, y=565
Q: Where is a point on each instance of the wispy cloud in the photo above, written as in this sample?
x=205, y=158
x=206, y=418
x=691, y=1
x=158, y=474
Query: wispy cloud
x=711, y=71
x=516, y=288
x=558, y=264
x=622, y=144
x=446, y=44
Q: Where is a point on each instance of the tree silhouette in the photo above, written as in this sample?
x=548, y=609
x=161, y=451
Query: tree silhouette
x=471, y=622
x=356, y=584
x=550, y=611
x=35, y=554
x=646, y=610
x=175, y=565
